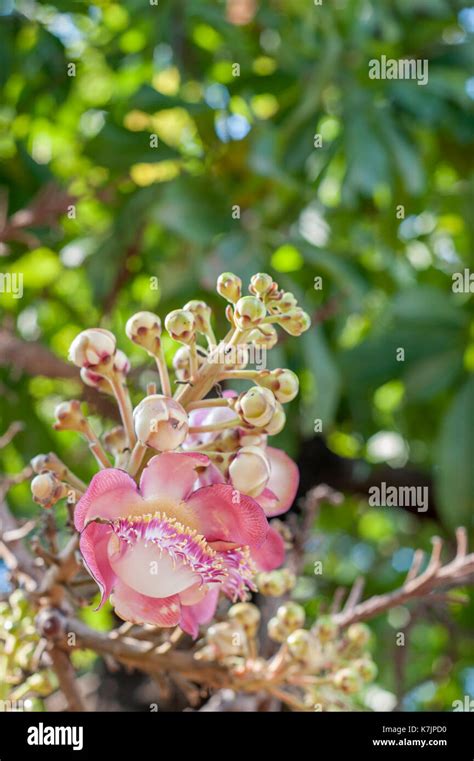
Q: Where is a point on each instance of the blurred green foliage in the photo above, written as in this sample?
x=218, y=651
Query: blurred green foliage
x=160, y=120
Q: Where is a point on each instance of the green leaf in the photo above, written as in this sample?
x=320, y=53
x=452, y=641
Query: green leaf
x=455, y=473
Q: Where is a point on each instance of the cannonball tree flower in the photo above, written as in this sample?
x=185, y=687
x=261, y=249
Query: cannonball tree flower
x=164, y=550
x=92, y=347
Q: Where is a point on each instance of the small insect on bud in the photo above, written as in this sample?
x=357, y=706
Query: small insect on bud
x=92, y=347
x=228, y=638
x=69, y=417
x=256, y=406
x=90, y=378
x=365, y=668
x=115, y=440
x=325, y=629
x=47, y=489
x=295, y=322
x=229, y=286
x=347, y=680
x=260, y=284
x=358, y=634
x=272, y=583
x=249, y=312
x=201, y=313
x=277, y=422
x=181, y=326
x=160, y=423
x=277, y=631
x=284, y=383
x=144, y=329
x=291, y=616
x=250, y=471
x=300, y=643
x=265, y=336
x=247, y=615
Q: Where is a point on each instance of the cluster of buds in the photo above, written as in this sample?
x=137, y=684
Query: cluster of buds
x=24, y=677
x=322, y=668
x=236, y=426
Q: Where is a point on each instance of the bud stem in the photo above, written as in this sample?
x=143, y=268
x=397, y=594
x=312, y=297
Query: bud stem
x=233, y=423
x=136, y=458
x=163, y=372
x=239, y=375
x=125, y=406
x=218, y=402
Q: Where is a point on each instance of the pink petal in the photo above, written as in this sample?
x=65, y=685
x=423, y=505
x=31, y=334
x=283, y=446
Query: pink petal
x=93, y=545
x=140, y=609
x=200, y=613
x=212, y=475
x=172, y=475
x=207, y=416
x=272, y=552
x=111, y=494
x=223, y=514
x=284, y=481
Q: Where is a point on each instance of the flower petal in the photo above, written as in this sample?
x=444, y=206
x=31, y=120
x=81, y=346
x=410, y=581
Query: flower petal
x=111, y=494
x=271, y=554
x=200, y=613
x=172, y=475
x=93, y=545
x=141, y=609
x=284, y=481
x=223, y=514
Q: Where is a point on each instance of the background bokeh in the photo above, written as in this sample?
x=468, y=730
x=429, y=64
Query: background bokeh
x=127, y=143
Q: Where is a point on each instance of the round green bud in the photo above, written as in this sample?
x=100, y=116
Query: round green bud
x=358, y=634
x=229, y=286
x=260, y=284
x=276, y=630
x=249, y=312
x=247, y=615
x=347, y=680
x=366, y=669
x=325, y=629
x=291, y=615
x=300, y=643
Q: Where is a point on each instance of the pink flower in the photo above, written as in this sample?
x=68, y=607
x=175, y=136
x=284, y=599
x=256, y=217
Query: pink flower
x=164, y=550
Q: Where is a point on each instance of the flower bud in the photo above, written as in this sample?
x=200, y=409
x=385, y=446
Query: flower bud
x=365, y=668
x=48, y=462
x=249, y=312
x=291, y=615
x=300, y=643
x=289, y=577
x=229, y=286
x=247, y=616
x=256, y=406
x=228, y=638
x=284, y=383
x=260, y=284
x=47, y=489
x=181, y=362
x=276, y=630
x=92, y=347
x=201, y=313
x=295, y=322
x=121, y=362
x=358, y=634
x=90, y=378
x=283, y=304
x=181, y=326
x=325, y=629
x=272, y=583
x=277, y=422
x=160, y=422
x=144, y=329
x=347, y=680
x=265, y=335
x=69, y=417
x=250, y=471
x=115, y=440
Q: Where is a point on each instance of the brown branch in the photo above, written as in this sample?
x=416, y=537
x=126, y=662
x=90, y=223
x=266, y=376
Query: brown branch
x=66, y=678
x=50, y=203
x=458, y=572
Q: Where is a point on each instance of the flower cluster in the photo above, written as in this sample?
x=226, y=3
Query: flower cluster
x=182, y=513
